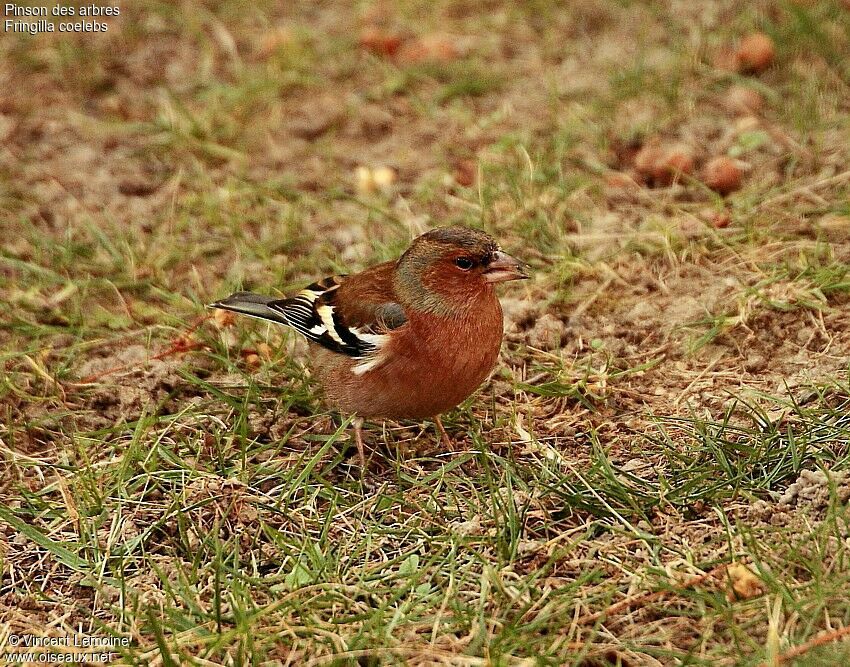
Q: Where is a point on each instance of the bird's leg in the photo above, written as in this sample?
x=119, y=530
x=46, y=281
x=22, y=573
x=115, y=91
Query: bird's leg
x=358, y=438
x=444, y=437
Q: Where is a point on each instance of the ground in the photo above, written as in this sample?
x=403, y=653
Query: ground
x=657, y=472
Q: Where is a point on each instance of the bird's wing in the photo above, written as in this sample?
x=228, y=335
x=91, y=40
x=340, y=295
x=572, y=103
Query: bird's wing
x=351, y=315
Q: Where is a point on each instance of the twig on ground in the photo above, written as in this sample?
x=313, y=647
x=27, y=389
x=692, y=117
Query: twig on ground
x=645, y=598
x=823, y=638
x=183, y=343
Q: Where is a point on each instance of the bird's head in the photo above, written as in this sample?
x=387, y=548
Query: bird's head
x=447, y=269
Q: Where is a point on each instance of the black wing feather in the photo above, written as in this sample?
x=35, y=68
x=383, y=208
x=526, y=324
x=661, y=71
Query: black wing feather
x=312, y=312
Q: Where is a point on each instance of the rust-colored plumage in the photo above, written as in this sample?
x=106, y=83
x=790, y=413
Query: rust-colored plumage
x=408, y=339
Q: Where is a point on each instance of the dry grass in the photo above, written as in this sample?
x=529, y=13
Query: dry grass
x=673, y=396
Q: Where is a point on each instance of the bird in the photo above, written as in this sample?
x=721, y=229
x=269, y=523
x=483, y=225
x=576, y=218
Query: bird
x=405, y=339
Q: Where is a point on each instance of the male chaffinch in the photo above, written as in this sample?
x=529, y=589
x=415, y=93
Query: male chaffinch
x=406, y=339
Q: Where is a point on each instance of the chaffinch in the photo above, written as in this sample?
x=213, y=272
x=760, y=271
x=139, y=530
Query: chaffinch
x=406, y=339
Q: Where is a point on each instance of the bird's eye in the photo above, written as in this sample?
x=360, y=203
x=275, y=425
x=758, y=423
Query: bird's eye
x=464, y=263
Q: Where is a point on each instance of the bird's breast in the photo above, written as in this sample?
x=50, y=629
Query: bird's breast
x=428, y=366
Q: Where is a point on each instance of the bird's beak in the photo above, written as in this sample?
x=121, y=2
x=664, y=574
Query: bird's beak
x=504, y=267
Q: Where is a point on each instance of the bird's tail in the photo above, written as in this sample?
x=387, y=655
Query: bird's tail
x=253, y=305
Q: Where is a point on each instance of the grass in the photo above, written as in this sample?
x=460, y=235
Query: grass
x=673, y=392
